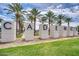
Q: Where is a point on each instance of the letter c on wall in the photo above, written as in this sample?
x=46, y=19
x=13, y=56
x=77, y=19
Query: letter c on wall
x=6, y=26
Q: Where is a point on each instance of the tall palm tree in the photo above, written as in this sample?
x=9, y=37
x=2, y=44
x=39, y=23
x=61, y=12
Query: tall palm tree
x=16, y=10
x=60, y=17
x=50, y=15
x=35, y=13
x=68, y=20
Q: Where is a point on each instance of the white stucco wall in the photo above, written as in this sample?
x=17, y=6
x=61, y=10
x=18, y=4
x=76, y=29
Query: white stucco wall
x=29, y=33
x=70, y=32
x=8, y=35
x=43, y=33
x=63, y=32
x=75, y=31
x=53, y=32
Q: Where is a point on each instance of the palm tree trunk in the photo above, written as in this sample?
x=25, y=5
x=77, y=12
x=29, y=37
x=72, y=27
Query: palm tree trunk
x=60, y=31
x=68, y=24
x=60, y=23
x=49, y=26
x=17, y=23
x=34, y=26
x=68, y=28
x=20, y=27
x=17, y=26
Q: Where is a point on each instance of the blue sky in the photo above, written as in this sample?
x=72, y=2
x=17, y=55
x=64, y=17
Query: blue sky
x=68, y=9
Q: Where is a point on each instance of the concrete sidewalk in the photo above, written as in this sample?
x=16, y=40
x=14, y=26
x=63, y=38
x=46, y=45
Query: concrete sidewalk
x=35, y=41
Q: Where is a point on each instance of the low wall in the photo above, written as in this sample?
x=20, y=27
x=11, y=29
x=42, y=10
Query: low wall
x=8, y=31
x=29, y=31
x=43, y=31
x=54, y=31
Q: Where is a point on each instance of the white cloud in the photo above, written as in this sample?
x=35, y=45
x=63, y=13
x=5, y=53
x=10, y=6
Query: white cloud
x=67, y=12
x=5, y=18
x=57, y=9
x=59, y=6
x=75, y=7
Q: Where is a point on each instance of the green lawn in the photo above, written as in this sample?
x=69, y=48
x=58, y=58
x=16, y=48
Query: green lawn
x=58, y=48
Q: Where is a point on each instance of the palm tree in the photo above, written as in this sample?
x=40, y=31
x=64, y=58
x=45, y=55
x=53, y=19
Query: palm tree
x=68, y=20
x=35, y=13
x=16, y=10
x=50, y=15
x=60, y=17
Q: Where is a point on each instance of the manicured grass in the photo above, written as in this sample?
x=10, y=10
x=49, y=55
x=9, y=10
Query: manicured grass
x=58, y=48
